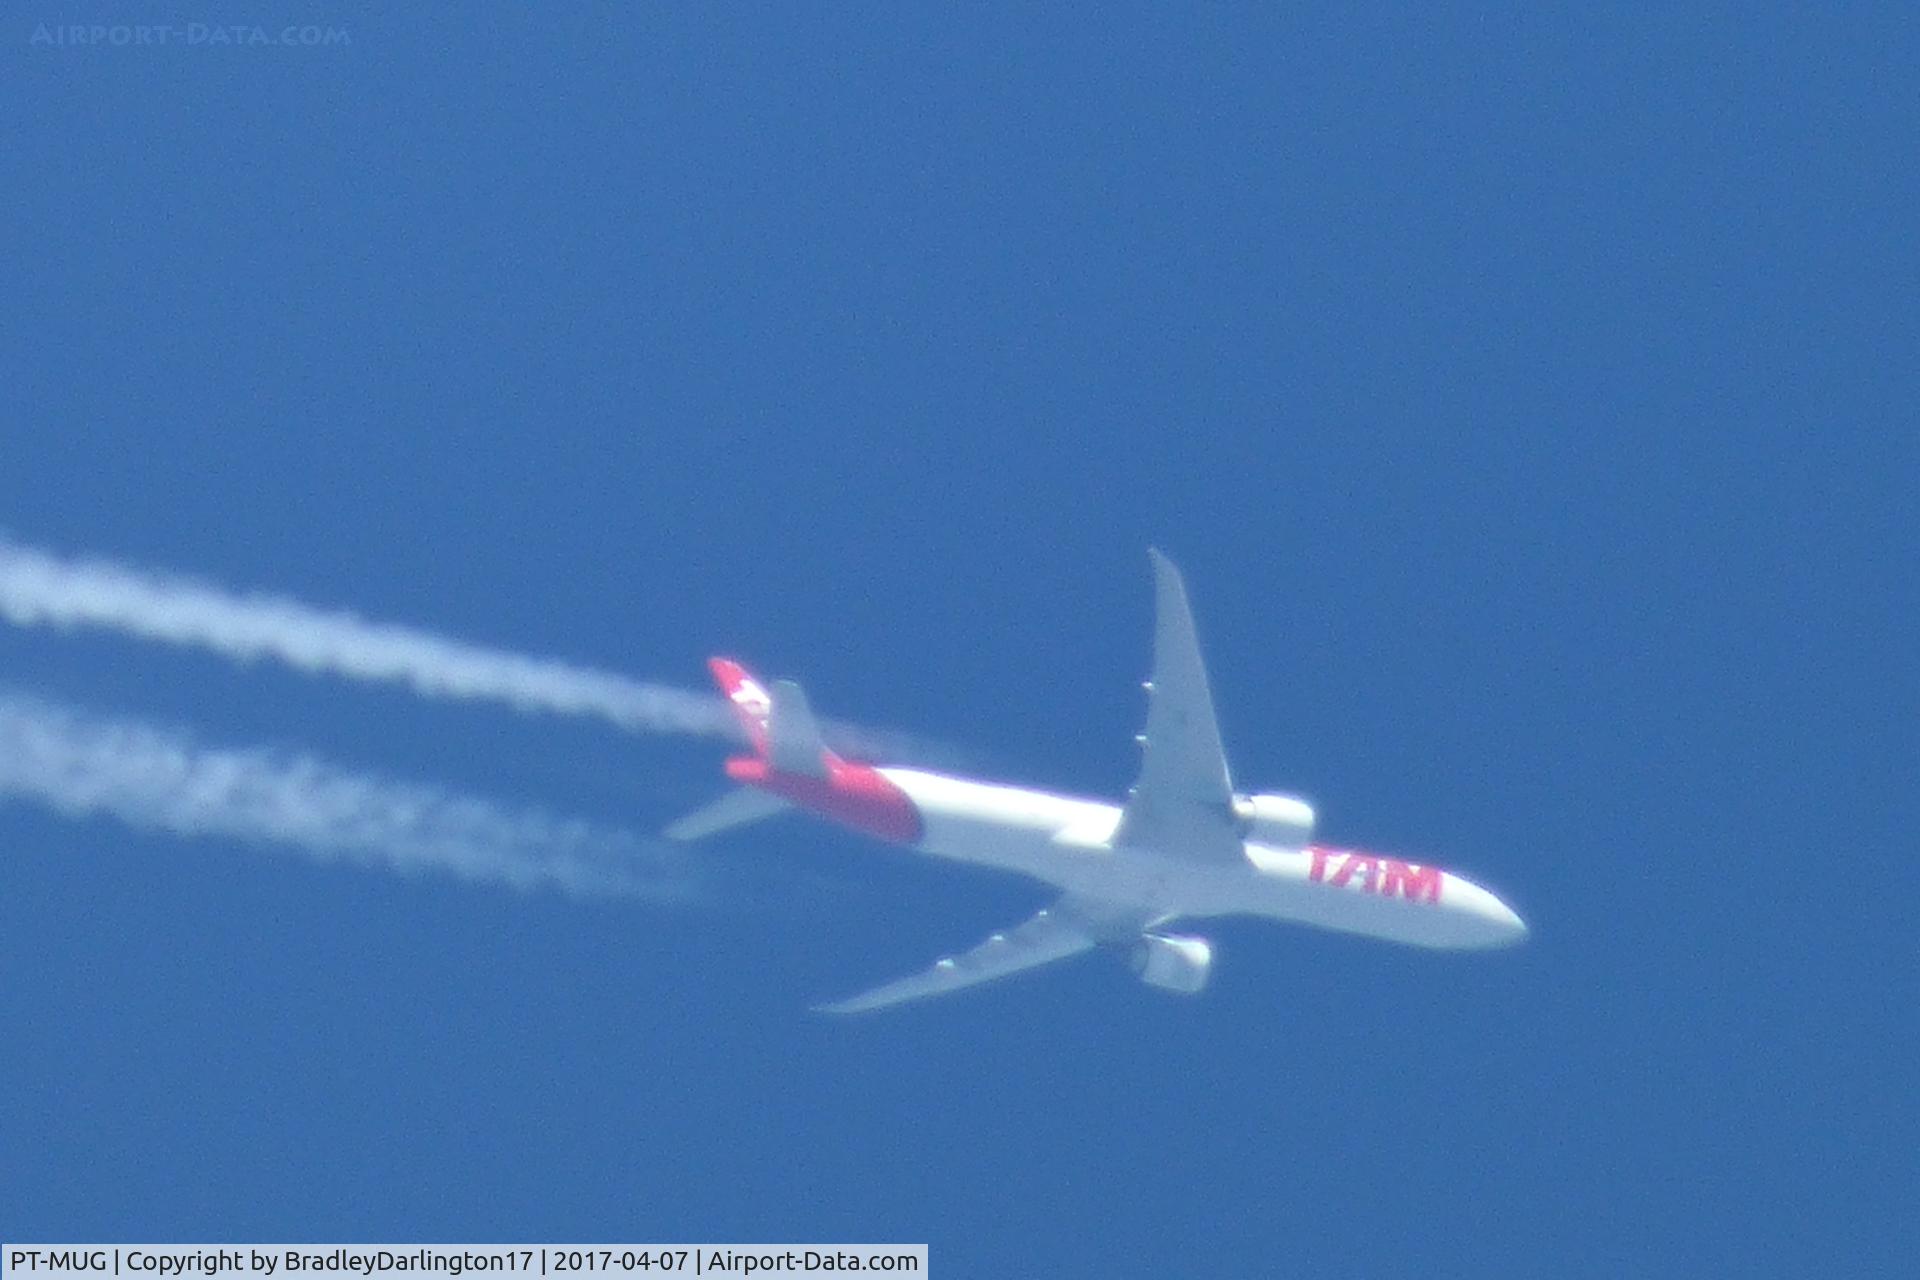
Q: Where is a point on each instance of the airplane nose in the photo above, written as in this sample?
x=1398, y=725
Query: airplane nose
x=1513, y=927
x=1491, y=922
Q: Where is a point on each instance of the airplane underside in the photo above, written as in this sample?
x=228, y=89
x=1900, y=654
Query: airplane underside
x=1183, y=846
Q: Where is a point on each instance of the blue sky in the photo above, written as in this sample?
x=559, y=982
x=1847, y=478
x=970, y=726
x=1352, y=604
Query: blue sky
x=1528, y=398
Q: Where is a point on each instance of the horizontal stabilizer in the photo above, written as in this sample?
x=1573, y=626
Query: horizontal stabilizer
x=794, y=744
x=734, y=809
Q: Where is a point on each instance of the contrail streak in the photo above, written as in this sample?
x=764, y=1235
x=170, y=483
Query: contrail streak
x=52, y=592
x=37, y=589
x=42, y=590
x=158, y=779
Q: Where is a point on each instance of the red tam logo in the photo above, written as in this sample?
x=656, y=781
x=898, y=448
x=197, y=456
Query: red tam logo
x=1384, y=877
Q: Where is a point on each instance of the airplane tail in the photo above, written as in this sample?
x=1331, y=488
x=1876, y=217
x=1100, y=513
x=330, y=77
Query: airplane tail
x=779, y=724
x=785, y=737
x=751, y=705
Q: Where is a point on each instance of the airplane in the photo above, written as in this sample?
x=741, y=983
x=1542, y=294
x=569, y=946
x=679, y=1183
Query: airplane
x=1184, y=846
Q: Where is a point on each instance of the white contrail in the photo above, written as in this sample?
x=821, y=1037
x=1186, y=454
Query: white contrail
x=41, y=589
x=38, y=589
x=158, y=779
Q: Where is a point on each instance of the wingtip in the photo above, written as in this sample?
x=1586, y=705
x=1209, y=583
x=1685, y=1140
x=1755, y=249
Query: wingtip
x=1166, y=574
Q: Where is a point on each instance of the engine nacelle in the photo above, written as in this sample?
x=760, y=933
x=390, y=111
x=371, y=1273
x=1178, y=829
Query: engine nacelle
x=1280, y=822
x=1173, y=962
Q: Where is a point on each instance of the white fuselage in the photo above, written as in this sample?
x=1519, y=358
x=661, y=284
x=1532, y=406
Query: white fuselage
x=1069, y=842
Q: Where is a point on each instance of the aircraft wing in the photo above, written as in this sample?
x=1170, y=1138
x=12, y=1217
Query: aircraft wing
x=1182, y=805
x=1054, y=934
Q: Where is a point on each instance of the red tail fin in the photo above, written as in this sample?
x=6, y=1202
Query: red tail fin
x=750, y=701
x=793, y=762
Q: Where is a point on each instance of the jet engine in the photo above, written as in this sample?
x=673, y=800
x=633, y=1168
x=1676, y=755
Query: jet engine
x=1173, y=962
x=1280, y=822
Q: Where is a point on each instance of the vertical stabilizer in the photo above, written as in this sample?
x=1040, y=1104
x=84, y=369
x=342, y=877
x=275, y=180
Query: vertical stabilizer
x=751, y=705
x=794, y=735
x=780, y=724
